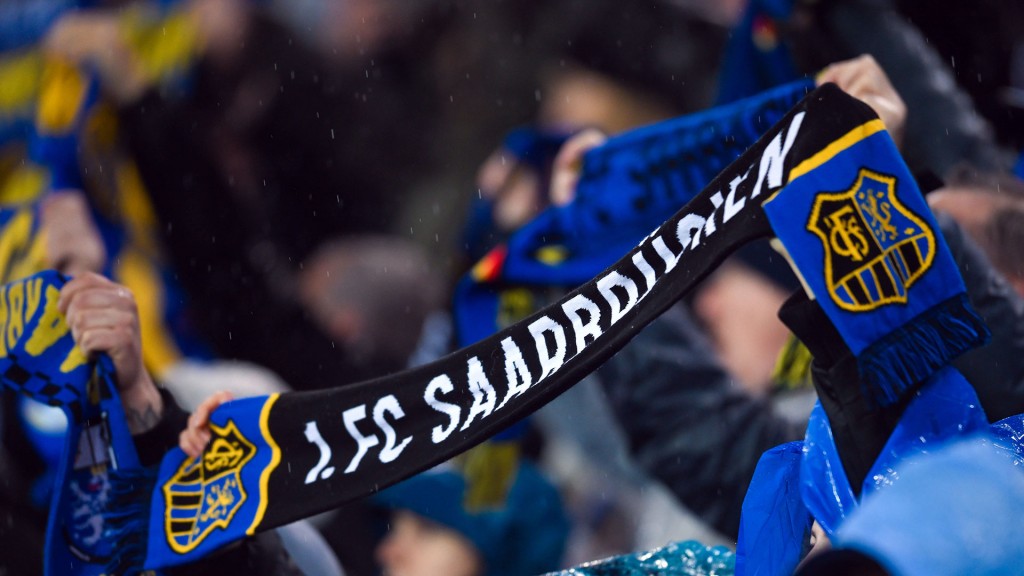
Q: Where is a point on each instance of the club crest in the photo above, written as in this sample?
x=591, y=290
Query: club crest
x=875, y=247
x=206, y=492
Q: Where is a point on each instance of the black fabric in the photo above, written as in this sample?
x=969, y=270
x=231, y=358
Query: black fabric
x=996, y=370
x=841, y=563
x=688, y=425
x=354, y=533
x=260, y=555
x=942, y=129
x=22, y=525
x=811, y=325
x=859, y=425
x=155, y=442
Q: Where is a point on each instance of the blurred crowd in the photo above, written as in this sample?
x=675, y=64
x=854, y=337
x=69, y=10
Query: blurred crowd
x=290, y=190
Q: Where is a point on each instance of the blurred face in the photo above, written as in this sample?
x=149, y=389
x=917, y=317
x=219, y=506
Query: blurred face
x=577, y=98
x=418, y=547
x=739, y=309
x=972, y=209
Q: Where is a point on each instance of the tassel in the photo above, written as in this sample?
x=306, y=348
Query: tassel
x=127, y=518
x=894, y=364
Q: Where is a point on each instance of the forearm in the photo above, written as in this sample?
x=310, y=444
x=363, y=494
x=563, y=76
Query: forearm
x=152, y=444
x=143, y=407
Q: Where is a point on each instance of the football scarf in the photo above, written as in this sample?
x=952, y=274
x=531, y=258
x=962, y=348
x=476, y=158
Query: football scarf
x=867, y=245
x=626, y=188
x=38, y=358
x=273, y=460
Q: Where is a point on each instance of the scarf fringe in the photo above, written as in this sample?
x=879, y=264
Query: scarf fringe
x=127, y=518
x=894, y=364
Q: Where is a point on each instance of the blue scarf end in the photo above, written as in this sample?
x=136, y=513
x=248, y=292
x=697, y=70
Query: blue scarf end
x=895, y=363
x=127, y=518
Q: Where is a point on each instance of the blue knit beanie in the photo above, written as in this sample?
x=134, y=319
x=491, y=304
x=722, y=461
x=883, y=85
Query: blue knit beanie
x=526, y=535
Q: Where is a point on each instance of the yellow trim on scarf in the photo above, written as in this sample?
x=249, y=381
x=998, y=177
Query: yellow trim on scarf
x=275, y=459
x=849, y=139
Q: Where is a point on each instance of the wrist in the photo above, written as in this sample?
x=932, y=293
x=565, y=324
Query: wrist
x=143, y=404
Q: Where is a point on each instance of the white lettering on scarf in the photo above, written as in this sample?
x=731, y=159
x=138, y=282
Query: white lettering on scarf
x=618, y=290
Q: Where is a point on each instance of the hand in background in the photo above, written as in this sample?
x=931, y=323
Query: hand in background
x=565, y=174
x=95, y=38
x=865, y=80
x=73, y=244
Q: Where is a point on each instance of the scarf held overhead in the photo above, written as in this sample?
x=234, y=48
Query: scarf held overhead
x=274, y=460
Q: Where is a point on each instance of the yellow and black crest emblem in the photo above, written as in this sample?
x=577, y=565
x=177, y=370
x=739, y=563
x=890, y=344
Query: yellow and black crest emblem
x=875, y=247
x=206, y=492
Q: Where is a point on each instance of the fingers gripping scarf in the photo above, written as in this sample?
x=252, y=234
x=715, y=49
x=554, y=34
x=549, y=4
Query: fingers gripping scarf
x=38, y=358
x=276, y=459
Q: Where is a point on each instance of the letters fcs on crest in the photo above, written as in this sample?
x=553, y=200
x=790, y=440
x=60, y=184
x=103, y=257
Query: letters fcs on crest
x=207, y=491
x=875, y=248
